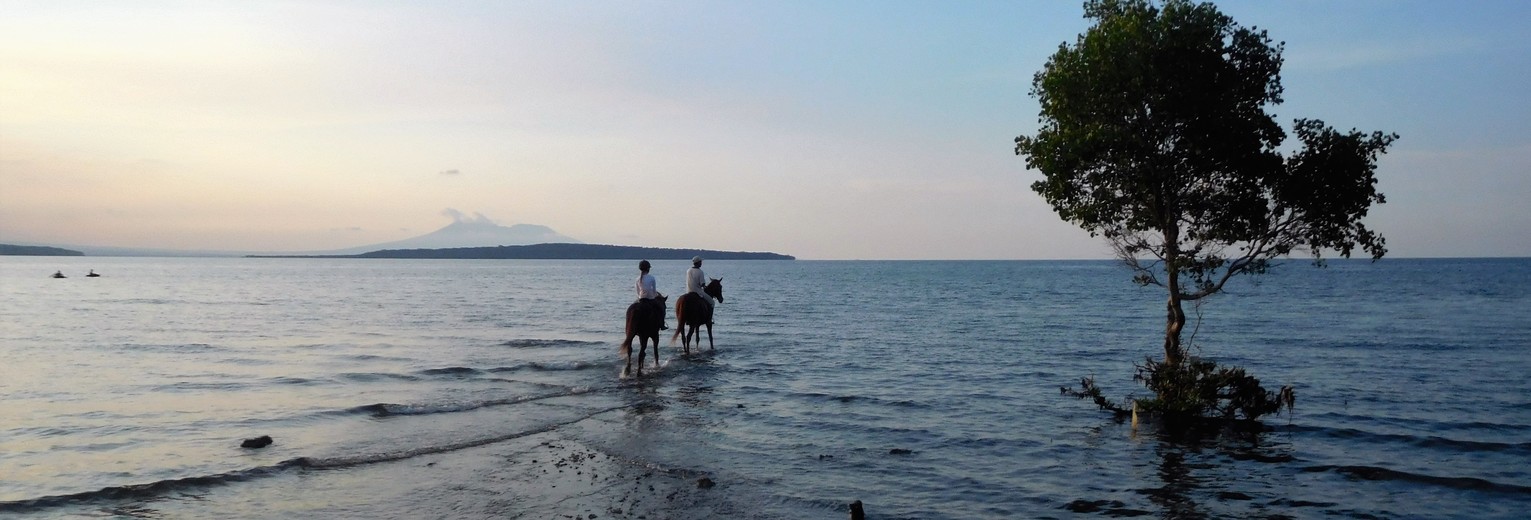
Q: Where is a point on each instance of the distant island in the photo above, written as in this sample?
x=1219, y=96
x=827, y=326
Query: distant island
x=553, y=252
x=14, y=250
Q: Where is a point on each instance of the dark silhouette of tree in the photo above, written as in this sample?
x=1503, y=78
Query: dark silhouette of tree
x=1154, y=135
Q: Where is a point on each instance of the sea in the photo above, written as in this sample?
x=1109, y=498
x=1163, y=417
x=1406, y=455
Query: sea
x=921, y=389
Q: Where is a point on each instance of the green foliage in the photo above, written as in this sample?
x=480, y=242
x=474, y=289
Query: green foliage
x=1200, y=388
x=1154, y=134
x=1196, y=388
x=1154, y=113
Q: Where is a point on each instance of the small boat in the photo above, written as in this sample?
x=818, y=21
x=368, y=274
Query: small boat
x=92, y=274
x=59, y=274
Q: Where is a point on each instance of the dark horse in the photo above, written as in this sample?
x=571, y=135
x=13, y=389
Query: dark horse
x=643, y=320
x=691, y=312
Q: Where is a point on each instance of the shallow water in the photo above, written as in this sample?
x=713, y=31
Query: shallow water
x=128, y=394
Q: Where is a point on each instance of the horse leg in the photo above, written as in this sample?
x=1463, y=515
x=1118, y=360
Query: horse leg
x=627, y=352
x=627, y=344
x=710, y=346
x=643, y=345
x=656, y=351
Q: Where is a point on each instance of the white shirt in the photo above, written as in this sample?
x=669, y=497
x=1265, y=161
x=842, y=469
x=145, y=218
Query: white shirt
x=696, y=281
x=646, y=287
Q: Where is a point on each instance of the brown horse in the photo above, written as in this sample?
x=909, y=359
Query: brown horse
x=691, y=312
x=643, y=320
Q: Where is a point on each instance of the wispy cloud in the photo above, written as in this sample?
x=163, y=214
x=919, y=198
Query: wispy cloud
x=458, y=216
x=453, y=171
x=1368, y=54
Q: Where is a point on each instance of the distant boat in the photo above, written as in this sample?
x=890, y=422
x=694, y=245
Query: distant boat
x=92, y=274
x=59, y=274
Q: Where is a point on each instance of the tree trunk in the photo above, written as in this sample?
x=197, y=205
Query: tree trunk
x=1175, y=319
x=1173, y=353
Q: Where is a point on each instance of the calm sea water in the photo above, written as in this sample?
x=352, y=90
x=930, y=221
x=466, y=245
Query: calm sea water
x=127, y=395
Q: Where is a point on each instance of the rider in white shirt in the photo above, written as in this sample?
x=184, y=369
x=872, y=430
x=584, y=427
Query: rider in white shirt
x=696, y=281
x=648, y=290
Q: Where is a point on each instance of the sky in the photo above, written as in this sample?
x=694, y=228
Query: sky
x=821, y=129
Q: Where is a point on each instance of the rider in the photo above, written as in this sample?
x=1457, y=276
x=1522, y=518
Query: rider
x=648, y=291
x=696, y=281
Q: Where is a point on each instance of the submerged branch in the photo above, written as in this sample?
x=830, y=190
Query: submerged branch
x=1088, y=390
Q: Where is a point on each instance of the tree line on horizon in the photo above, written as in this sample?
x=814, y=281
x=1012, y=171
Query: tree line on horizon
x=15, y=250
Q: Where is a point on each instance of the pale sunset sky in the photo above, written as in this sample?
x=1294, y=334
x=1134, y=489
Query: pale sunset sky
x=821, y=129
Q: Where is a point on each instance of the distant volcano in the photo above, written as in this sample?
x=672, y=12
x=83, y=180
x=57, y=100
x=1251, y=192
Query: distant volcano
x=479, y=232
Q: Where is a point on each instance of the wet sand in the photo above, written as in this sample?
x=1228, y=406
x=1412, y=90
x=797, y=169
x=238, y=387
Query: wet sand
x=563, y=478
x=540, y=475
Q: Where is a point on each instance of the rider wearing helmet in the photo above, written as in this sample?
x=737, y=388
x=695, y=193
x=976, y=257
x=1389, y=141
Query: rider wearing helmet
x=696, y=281
x=648, y=291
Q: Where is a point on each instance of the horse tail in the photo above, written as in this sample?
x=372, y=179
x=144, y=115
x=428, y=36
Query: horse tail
x=627, y=344
x=680, y=318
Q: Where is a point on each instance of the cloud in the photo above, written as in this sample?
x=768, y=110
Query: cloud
x=1359, y=55
x=458, y=216
x=453, y=171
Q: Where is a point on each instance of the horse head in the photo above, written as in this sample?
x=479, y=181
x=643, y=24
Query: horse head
x=715, y=289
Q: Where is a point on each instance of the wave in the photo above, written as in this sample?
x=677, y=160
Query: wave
x=540, y=366
x=818, y=396
x=1115, y=508
x=1413, y=440
x=823, y=397
x=1255, y=456
x=182, y=386
x=375, y=357
x=176, y=348
x=292, y=381
x=455, y=371
x=151, y=489
x=391, y=409
x=543, y=343
x=461, y=372
x=1427, y=423
x=376, y=376
x=1376, y=473
x=136, y=491
x=148, y=301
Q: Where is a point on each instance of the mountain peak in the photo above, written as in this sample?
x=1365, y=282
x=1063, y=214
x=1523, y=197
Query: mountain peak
x=484, y=225
x=473, y=232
